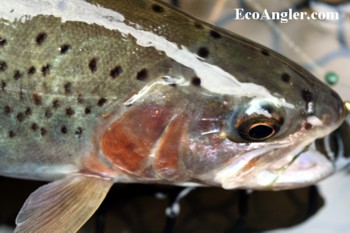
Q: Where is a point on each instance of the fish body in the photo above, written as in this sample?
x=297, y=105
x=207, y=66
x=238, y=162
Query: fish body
x=96, y=92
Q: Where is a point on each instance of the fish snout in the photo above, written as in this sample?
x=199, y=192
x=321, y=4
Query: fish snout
x=327, y=111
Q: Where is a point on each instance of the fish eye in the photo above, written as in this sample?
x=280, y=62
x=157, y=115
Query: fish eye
x=258, y=128
x=256, y=122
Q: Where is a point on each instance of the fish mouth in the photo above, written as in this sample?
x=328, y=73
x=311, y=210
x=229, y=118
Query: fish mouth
x=303, y=169
x=277, y=169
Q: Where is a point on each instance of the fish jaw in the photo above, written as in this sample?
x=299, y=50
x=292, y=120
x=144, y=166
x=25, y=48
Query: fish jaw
x=299, y=168
x=307, y=168
x=289, y=164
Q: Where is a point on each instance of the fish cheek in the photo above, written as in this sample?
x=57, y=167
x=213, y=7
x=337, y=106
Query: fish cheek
x=129, y=141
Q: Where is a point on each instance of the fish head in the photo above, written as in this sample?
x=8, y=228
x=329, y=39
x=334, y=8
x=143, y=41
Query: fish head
x=260, y=136
x=219, y=109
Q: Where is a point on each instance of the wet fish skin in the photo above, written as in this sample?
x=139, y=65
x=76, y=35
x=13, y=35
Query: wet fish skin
x=135, y=91
x=59, y=110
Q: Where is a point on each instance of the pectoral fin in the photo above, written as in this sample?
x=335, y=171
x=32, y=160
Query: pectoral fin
x=63, y=205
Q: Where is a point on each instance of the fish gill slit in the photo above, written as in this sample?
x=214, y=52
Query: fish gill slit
x=157, y=144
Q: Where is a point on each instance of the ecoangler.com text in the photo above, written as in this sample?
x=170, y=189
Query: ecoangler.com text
x=285, y=16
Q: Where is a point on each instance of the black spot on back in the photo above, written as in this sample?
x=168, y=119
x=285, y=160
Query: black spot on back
x=157, y=8
x=195, y=81
x=101, y=102
x=68, y=88
x=64, y=130
x=116, y=71
x=17, y=75
x=3, y=66
x=34, y=127
x=198, y=25
x=64, y=48
x=28, y=112
x=2, y=41
x=87, y=110
x=7, y=109
x=40, y=38
x=69, y=111
x=45, y=70
x=215, y=34
x=265, y=52
x=93, y=65
x=55, y=104
x=21, y=116
x=306, y=95
x=12, y=134
x=43, y=131
x=37, y=99
x=285, y=77
x=3, y=85
x=78, y=132
x=80, y=99
x=203, y=52
x=142, y=75
x=48, y=113
x=31, y=70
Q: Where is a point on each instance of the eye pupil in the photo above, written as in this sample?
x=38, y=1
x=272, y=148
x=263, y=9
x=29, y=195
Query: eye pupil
x=260, y=131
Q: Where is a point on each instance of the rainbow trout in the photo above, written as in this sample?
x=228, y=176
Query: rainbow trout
x=100, y=91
